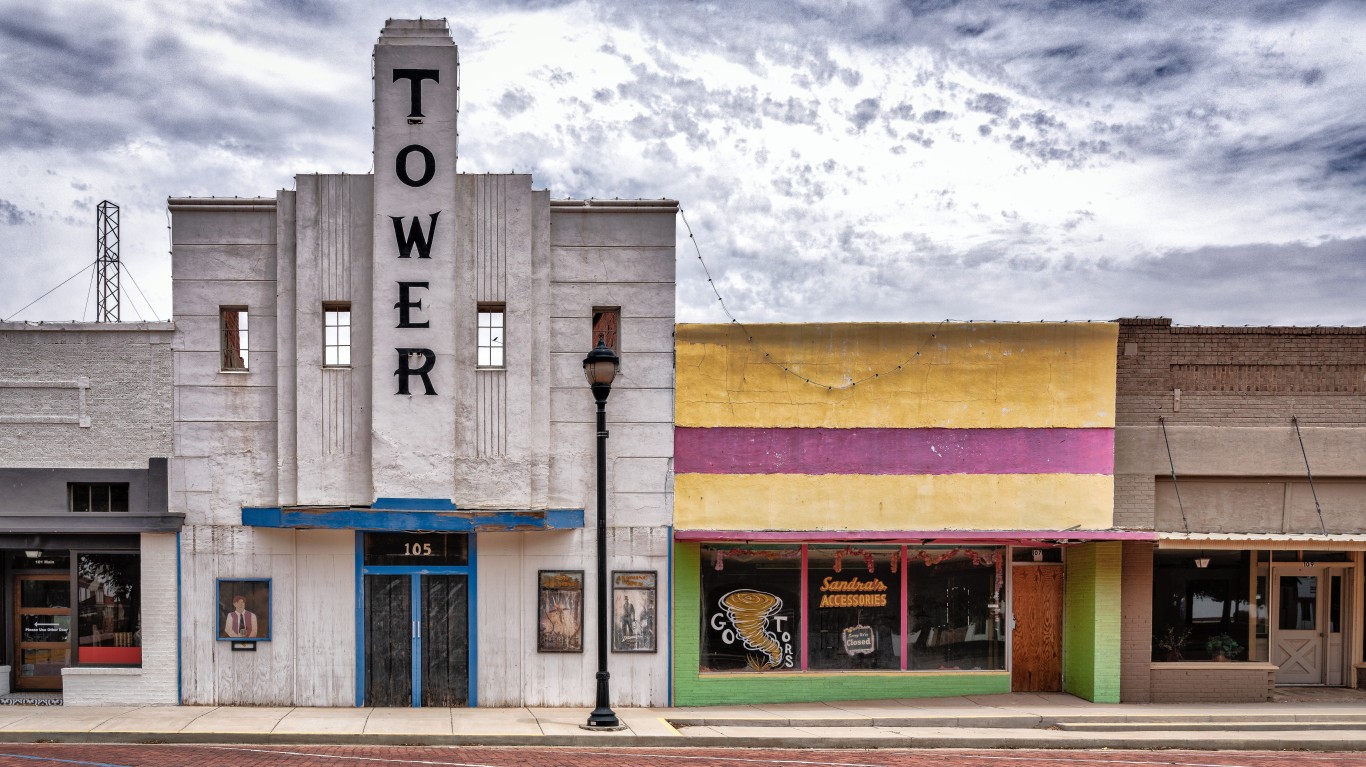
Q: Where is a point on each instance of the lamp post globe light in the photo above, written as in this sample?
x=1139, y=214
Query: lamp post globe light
x=600, y=368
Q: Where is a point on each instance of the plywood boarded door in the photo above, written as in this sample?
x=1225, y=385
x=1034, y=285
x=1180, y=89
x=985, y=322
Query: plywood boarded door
x=443, y=639
x=1036, y=642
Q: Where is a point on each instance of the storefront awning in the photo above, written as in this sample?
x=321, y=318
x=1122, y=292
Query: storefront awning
x=394, y=518
x=1175, y=540
x=916, y=536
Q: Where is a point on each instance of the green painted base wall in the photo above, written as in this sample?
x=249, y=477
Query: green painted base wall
x=1091, y=616
x=694, y=689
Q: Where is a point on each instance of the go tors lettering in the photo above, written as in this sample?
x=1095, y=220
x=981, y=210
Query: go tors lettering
x=745, y=617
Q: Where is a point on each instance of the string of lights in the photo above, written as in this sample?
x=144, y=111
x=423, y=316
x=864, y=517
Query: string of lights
x=769, y=358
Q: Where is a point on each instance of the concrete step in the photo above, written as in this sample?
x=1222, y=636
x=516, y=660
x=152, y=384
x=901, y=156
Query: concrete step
x=1243, y=726
x=1081, y=722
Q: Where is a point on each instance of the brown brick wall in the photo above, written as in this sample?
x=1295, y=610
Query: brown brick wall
x=1212, y=682
x=1135, y=496
x=1136, y=623
x=1235, y=376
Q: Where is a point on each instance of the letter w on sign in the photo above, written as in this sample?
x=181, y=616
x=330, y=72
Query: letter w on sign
x=415, y=236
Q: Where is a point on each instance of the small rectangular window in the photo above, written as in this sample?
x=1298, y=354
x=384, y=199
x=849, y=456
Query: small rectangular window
x=233, y=327
x=337, y=335
x=97, y=496
x=491, y=335
x=606, y=321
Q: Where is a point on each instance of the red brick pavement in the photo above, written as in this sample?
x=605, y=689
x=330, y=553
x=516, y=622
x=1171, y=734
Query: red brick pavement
x=105, y=755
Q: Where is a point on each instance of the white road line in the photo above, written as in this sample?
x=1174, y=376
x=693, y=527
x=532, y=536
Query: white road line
x=352, y=758
x=750, y=760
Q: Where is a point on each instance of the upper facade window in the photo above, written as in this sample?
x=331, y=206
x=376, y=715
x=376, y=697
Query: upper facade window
x=337, y=335
x=606, y=321
x=97, y=496
x=233, y=329
x=491, y=335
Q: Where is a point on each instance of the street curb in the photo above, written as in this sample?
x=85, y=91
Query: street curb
x=1093, y=741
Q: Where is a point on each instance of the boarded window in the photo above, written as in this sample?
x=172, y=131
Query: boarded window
x=337, y=334
x=233, y=324
x=606, y=321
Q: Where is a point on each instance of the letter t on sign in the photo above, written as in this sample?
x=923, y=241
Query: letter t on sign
x=415, y=78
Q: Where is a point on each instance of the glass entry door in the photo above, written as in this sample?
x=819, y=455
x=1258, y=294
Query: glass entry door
x=42, y=628
x=1310, y=607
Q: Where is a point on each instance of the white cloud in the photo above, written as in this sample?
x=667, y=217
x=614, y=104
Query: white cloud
x=838, y=161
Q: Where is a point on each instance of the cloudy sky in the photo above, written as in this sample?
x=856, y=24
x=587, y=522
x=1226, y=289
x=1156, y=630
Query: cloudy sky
x=916, y=161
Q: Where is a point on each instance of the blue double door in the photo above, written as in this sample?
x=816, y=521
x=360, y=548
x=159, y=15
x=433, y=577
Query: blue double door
x=417, y=637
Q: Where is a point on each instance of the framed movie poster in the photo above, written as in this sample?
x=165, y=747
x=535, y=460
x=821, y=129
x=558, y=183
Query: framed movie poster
x=634, y=607
x=243, y=609
x=559, y=611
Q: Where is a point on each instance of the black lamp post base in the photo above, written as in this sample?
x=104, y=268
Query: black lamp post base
x=603, y=720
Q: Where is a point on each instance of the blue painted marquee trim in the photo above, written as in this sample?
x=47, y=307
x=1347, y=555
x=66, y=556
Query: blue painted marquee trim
x=379, y=520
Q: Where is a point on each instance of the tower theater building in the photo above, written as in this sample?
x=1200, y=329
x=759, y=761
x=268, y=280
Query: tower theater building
x=384, y=446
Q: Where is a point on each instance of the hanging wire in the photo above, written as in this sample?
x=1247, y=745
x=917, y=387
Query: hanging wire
x=88, y=293
x=153, y=311
x=90, y=265
x=1296, y=421
x=769, y=357
x=1163, y=420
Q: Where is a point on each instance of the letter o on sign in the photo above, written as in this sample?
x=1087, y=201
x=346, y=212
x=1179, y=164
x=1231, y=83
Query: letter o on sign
x=401, y=165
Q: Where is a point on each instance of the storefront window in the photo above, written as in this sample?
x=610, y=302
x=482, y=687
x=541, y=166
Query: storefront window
x=750, y=608
x=107, y=626
x=854, y=598
x=1192, y=605
x=955, y=617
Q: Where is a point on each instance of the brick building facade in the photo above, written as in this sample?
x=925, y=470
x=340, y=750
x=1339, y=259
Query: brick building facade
x=85, y=437
x=1242, y=449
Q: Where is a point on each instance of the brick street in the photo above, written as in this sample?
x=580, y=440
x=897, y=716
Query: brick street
x=105, y=755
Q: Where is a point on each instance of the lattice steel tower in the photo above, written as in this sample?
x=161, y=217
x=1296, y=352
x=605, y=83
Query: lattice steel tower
x=107, y=262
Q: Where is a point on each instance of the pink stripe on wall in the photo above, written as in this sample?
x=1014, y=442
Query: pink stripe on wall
x=733, y=450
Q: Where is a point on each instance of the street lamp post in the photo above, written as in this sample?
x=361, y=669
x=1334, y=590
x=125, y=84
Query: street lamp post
x=600, y=367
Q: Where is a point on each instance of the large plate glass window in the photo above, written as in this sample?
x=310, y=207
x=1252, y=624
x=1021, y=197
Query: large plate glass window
x=751, y=609
x=954, y=610
x=854, y=598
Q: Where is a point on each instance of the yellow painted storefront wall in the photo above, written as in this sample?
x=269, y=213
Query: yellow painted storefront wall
x=874, y=502
x=952, y=375
x=965, y=375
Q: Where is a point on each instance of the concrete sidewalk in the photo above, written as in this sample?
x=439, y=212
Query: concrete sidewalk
x=1016, y=720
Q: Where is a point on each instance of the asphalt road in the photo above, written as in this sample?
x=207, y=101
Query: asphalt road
x=105, y=755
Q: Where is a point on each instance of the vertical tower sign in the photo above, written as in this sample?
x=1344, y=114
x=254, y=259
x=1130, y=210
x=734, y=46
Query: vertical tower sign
x=413, y=416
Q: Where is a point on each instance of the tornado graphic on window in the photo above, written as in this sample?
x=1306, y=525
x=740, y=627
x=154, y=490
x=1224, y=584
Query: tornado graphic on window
x=749, y=613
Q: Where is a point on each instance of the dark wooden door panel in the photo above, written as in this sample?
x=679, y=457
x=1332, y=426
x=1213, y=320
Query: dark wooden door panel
x=388, y=640
x=445, y=640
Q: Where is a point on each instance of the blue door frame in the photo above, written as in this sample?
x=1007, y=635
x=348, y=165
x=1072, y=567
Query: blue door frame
x=415, y=593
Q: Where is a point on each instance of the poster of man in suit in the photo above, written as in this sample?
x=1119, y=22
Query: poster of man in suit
x=243, y=609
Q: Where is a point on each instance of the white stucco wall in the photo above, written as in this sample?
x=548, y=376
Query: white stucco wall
x=290, y=432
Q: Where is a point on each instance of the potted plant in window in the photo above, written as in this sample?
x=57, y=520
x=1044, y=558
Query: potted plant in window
x=1172, y=640
x=1222, y=647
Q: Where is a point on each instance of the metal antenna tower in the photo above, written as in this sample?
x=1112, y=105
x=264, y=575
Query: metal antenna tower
x=107, y=261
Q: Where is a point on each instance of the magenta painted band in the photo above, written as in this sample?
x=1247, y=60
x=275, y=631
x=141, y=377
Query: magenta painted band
x=732, y=450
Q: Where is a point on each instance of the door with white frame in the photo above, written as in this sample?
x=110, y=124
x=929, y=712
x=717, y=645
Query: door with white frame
x=1309, y=606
